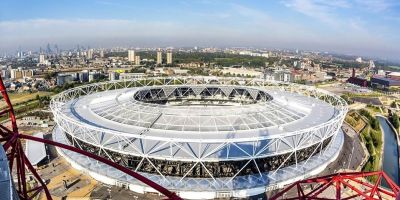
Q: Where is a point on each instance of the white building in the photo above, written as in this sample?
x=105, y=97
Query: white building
x=90, y=54
x=241, y=72
x=41, y=59
x=371, y=64
x=126, y=76
x=19, y=73
x=169, y=56
x=137, y=60
x=159, y=56
x=131, y=55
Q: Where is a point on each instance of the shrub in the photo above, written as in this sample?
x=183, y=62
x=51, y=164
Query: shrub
x=395, y=120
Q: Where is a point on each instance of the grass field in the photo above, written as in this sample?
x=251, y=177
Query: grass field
x=17, y=98
x=356, y=121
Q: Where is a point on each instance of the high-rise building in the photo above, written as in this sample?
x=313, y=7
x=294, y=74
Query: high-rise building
x=137, y=60
x=101, y=54
x=159, y=57
x=89, y=54
x=131, y=55
x=169, y=56
x=41, y=58
x=48, y=49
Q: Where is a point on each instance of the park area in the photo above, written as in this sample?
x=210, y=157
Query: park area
x=18, y=98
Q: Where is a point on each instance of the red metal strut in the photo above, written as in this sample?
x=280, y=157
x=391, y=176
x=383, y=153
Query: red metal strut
x=354, y=184
x=11, y=139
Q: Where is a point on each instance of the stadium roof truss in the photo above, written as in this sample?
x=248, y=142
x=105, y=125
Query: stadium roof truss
x=200, y=151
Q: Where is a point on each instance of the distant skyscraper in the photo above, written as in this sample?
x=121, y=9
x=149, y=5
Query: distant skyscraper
x=89, y=54
x=56, y=49
x=137, y=60
x=41, y=58
x=169, y=56
x=101, y=54
x=131, y=55
x=159, y=56
x=48, y=49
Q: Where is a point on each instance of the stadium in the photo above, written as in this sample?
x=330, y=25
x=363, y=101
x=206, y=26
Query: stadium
x=201, y=137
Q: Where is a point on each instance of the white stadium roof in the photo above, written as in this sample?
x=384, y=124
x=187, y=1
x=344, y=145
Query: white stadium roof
x=116, y=110
x=218, y=134
x=35, y=151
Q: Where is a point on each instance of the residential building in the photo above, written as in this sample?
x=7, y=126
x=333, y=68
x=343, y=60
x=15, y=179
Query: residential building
x=169, y=56
x=41, y=59
x=19, y=73
x=131, y=55
x=159, y=57
x=89, y=54
x=137, y=60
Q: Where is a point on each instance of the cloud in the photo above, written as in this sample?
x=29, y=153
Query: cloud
x=375, y=5
x=322, y=10
x=237, y=24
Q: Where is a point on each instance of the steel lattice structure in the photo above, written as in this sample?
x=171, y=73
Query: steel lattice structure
x=202, y=134
x=347, y=185
x=19, y=163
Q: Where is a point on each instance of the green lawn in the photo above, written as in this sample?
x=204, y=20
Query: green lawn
x=17, y=98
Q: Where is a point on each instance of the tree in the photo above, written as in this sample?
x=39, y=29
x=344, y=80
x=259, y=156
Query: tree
x=393, y=104
x=395, y=121
x=47, y=77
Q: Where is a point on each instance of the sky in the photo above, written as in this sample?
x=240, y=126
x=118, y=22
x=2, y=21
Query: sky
x=357, y=27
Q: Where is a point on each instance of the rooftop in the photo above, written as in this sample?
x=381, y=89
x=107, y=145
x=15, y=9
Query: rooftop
x=118, y=110
x=35, y=151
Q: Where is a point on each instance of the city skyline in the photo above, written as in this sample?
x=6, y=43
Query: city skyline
x=367, y=28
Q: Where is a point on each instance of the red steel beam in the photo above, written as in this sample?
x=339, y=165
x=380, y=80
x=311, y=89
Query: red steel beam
x=367, y=184
x=372, y=191
x=138, y=176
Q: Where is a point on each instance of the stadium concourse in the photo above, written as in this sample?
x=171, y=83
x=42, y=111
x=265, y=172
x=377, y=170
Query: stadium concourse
x=201, y=137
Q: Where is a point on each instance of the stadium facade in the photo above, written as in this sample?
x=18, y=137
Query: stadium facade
x=202, y=137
